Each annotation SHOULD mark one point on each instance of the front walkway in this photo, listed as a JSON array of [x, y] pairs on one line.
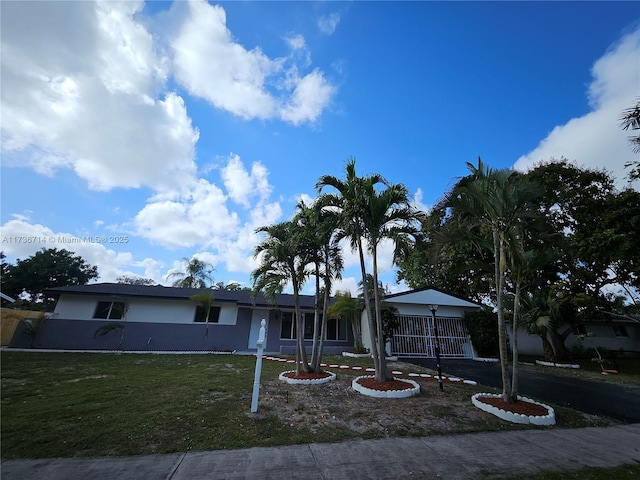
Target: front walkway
[[461, 457]]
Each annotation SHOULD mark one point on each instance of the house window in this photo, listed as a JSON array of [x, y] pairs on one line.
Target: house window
[[620, 331], [109, 310], [288, 326], [337, 329], [580, 330], [201, 314]]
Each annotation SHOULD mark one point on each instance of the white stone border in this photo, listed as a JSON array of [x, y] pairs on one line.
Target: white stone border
[[306, 381], [356, 355], [549, 419], [409, 392], [560, 365]]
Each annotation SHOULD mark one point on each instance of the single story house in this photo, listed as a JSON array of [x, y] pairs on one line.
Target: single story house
[[111, 316], [619, 334]]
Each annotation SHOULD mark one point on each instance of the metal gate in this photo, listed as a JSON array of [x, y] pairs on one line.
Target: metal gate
[[415, 337]]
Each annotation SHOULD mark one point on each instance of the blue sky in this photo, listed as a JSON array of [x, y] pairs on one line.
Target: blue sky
[[149, 133]]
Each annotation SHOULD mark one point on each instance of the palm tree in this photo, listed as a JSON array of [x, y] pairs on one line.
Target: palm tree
[[492, 202], [350, 204], [349, 308], [375, 216], [205, 299], [317, 226], [197, 274], [283, 259]]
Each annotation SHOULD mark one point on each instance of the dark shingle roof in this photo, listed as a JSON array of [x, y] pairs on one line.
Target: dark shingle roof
[[240, 297]]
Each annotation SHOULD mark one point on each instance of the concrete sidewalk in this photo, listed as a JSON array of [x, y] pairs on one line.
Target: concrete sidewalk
[[469, 456]]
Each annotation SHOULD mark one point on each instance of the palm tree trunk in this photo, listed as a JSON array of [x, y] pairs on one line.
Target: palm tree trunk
[[316, 324], [549, 355], [514, 346], [367, 307], [301, 354], [500, 263], [381, 372], [323, 329]]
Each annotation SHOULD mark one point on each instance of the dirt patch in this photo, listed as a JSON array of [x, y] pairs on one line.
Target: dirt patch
[[336, 404]]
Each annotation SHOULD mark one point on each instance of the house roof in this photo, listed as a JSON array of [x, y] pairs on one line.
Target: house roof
[[430, 296], [240, 297]]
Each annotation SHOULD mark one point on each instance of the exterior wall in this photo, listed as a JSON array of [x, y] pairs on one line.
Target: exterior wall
[[288, 346], [603, 337], [74, 307], [59, 333]]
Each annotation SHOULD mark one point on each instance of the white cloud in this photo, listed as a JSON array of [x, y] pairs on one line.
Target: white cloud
[[296, 42], [328, 23], [82, 89], [243, 185], [210, 64], [21, 239], [310, 97], [596, 140], [198, 217], [201, 218]]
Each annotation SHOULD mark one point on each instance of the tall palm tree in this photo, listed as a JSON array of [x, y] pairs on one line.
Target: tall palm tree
[[374, 215], [317, 228], [283, 259], [350, 203], [197, 274], [493, 203]]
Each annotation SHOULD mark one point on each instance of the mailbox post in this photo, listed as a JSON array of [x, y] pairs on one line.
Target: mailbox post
[[256, 378]]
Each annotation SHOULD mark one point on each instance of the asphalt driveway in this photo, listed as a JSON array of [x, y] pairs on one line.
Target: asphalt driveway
[[616, 401]]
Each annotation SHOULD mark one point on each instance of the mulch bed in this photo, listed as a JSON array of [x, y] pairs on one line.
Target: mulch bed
[[306, 375], [521, 407], [373, 384]]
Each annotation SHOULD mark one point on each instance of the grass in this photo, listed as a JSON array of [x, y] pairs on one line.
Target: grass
[[79, 404], [623, 472]]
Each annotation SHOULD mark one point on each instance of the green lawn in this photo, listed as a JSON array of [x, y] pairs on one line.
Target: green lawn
[[83, 404]]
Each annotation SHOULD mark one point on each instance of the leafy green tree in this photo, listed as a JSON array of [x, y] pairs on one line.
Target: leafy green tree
[[455, 267], [47, 268], [596, 233], [283, 259], [134, 280], [231, 287], [197, 274]]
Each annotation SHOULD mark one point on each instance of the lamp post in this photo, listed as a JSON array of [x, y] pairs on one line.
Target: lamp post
[[434, 309]]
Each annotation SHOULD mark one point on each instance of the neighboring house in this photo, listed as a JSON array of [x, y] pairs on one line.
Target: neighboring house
[[620, 334], [415, 334], [157, 318]]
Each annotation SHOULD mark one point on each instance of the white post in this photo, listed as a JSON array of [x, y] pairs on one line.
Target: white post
[[256, 378]]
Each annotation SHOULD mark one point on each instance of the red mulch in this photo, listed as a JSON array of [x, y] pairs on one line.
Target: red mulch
[[374, 384], [521, 407], [307, 375]]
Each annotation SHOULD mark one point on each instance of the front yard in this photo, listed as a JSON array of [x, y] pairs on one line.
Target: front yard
[[89, 404]]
